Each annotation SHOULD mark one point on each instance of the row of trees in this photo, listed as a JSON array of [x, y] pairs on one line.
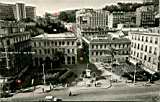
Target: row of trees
[[125, 7], [68, 16]]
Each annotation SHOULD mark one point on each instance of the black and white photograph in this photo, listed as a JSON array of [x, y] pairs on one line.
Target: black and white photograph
[[79, 50]]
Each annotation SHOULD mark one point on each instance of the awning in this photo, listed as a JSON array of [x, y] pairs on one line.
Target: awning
[[148, 70], [133, 61]]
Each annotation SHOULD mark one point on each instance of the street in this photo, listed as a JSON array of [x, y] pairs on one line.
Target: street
[[134, 93]]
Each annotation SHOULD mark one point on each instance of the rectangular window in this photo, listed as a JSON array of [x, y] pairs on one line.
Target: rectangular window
[[63, 43], [72, 42], [138, 46], [92, 46], [45, 51], [146, 48], [68, 50], [68, 43], [52, 43], [48, 43], [52, 51], [48, 51], [40, 52], [55, 43], [142, 47], [34, 44], [156, 40], [101, 46], [73, 51], [149, 59], [142, 38], [39, 44], [59, 43], [155, 51], [146, 39], [150, 49], [150, 39]]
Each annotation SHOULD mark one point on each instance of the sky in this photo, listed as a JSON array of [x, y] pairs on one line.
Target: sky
[[53, 6]]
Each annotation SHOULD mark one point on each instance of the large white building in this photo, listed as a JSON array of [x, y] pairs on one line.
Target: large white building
[[46, 45], [102, 48], [145, 48]]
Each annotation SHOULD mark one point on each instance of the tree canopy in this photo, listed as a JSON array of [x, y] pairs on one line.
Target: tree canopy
[[68, 16], [123, 7], [50, 25]]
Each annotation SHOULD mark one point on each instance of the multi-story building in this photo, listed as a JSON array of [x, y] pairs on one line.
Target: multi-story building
[[145, 48], [91, 18], [106, 48], [85, 32], [17, 11], [30, 12], [15, 52], [118, 17], [145, 16], [6, 11], [153, 2], [46, 46]]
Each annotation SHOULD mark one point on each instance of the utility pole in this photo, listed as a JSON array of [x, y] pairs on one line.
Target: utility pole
[[111, 73], [7, 60], [134, 80], [51, 65], [44, 77]]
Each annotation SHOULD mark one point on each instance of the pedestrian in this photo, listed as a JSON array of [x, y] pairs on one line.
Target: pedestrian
[[70, 94], [43, 90]]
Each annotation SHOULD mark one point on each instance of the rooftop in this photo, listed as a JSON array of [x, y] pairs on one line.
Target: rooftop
[[107, 40], [65, 35]]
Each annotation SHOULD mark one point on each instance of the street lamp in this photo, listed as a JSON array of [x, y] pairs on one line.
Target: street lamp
[[134, 80], [44, 77]]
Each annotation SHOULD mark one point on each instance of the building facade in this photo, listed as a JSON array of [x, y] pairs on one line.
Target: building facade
[[30, 12], [86, 32], [145, 16], [118, 17], [47, 45], [15, 51], [145, 48], [91, 18], [16, 11], [6, 11], [106, 48]]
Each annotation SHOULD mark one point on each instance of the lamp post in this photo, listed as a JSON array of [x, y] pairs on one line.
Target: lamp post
[[7, 60], [44, 77], [134, 80]]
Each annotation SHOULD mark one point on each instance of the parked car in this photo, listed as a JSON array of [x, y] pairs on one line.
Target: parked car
[[52, 99]]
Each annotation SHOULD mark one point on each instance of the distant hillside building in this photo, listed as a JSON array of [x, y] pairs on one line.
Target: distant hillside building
[[91, 18], [30, 12], [16, 11], [145, 16], [118, 17]]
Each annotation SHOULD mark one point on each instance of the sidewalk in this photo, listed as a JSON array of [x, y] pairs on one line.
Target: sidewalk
[[40, 90], [105, 73]]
